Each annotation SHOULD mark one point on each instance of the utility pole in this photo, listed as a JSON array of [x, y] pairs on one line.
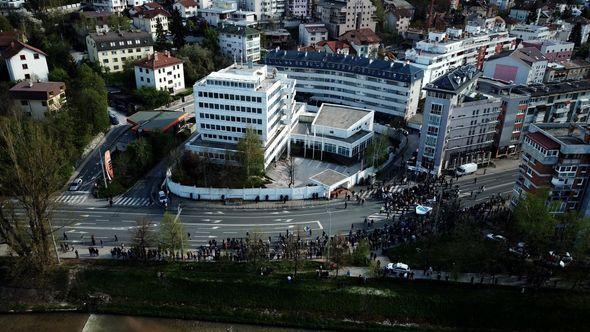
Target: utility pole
[[181, 242]]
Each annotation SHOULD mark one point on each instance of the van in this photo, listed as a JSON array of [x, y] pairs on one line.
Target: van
[[466, 169]]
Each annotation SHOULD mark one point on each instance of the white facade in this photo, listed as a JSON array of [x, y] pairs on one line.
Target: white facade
[[219, 11], [187, 8], [298, 8], [517, 67], [27, 63], [134, 3], [311, 34], [445, 51], [160, 71], [149, 23], [398, 23], [265, 9], [240, 43], [111, 50], [503, 4], [11, 4], [113, 6], [386, 87], [341, 16], [232, 100], [530, 31], [36, 100]]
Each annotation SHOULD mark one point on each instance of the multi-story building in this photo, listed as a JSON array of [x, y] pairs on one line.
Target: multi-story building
[[519, 14], [114, 6], [265, 9], [390, 89], [502, 4], [187, 8], [298, 8], [525, 66], [112, 49], [237, 98], [160, 71], [564, 102], [553, 50], [311, 34], [147, 20], [25, 62], [339, 131], [445, 51], [512, 112], [11, 4], [556, 158], [459, 123], [333, 47], [239, 43], [569, 70], [134, 3], [365, 42], [36, 99], [398, 14], [219, 11], [531, 31], [341, 16]]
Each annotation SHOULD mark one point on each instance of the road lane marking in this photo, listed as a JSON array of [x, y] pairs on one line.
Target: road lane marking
[[103, 220], [230, 232]]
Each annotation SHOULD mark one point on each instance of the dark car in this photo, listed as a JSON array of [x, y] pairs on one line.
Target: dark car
[[114, 120]]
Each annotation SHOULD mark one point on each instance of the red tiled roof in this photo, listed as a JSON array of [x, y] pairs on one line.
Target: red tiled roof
[[153, 13], [543, 141], [334, 45], [361, 37], [187, 3], [6, 38], [158, 60], [36, 90], [16, 46]]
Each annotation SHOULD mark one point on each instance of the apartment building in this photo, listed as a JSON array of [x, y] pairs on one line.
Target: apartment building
[[186, 8], [160, 71], [342, 132], [459, 123], [513, 110], [298, 8], [147, 20], [11, 4], [112, 49], [219, 11], [445, 51], [553, 50], [365, 42], [341, 16], [37, 99], [25, 62], [266, 9], [113, 6], [568, 70], [390, 89], [556, 157], [531, 31], [525, 66], [239, 43], [229, 101], [311, 34]]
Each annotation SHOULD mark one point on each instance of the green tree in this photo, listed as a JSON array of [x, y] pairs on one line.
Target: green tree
[[198, 63], [161, 42], [576, 34], [377, 150], [172, 235], [251, 154], [535, 223], [177, 29], [162, 144], [87, 98], [143, 238], [211, 40], [5, 25], [58, 53], [140, 155], [153, 98], [59, 75]]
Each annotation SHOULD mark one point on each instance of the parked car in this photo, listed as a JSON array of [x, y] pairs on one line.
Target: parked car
[[495, 237], [466, 169], [113, 118], [162, 197], [397, 267], [74, 186]]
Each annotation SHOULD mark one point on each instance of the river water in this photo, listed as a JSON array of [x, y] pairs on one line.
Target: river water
[[77, 322]]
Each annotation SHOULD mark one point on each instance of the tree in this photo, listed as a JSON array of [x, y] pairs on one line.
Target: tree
[[140, 155], [87, 98], [211, 40], [534, 222], [256, 249], [8, 106], [5, 25], [31, 171], [172, 234], [251, 154], [143, 238], [198, 63], [161, 42], [153, 98], [576, 34], [295, 250], [377, 150], [177, 29], [59, 75], [338, 247]]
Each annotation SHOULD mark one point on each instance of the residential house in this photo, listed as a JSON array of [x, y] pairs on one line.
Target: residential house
[[113, 6], [239, 43], [568, 70], [365, 42], [187, 8], [148, 19], [112, 50], [160, 71], [311, 34], [341, 16], [553, 50], [37, 99], [25, 62]]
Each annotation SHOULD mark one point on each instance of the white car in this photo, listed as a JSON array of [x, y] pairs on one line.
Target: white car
[[495, 237], [162, 197], [74, 186], [397, 267]]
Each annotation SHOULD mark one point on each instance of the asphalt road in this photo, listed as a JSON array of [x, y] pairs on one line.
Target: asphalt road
[[80, 223], [495, 182]]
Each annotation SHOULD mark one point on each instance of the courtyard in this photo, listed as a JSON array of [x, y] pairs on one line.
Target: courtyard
[[304, 169]]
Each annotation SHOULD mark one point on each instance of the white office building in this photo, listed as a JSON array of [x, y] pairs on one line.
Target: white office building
[[265, 9], [219, 11], [239, 43], [388, 88], [459, 123], [112, 49], [229, 101], [160, 71], [445, 51], [531, 31]]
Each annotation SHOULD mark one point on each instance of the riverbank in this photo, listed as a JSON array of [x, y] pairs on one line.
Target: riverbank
[[237, 293]]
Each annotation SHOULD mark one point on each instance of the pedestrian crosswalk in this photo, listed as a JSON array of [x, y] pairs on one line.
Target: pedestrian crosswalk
[[71, 199], [366, 194], [132, 201]]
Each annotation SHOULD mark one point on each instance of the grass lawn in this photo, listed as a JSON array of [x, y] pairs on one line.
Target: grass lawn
[[235, 292]]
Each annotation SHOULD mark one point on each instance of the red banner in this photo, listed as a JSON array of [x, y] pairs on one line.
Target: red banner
[[108, 165]]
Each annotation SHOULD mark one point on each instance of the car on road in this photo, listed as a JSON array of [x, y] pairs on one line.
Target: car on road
[[495, 237], [162, 197], [466, 169], [113, 118], [74, 186], [397, 267]]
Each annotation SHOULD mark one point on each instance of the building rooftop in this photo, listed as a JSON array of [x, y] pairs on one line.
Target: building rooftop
[[334, 45], [238, 30], [361, 37], [315, 28], [338, 116], [158, 60], [187, 3], [151, 13], [36, 90], [454, 81], [402, 72], [554, 88], [151, 121], [304, 128], [328, 177], [16, 46], [112, 40], [543, 140], [528, 55]]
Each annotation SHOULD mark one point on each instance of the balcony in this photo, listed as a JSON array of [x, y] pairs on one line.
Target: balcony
[[561, 182]]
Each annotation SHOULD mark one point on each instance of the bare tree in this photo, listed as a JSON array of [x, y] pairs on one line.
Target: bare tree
[[291, 169], [143, 238], [32, 168], [295, 250], [256, 249], [338, 249], [172, 234]]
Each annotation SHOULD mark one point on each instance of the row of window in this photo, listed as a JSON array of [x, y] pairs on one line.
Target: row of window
[[231, 84], [223, 137], [24, 57], [228, 96], [229, 118], [226, 128], [231, 108]]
